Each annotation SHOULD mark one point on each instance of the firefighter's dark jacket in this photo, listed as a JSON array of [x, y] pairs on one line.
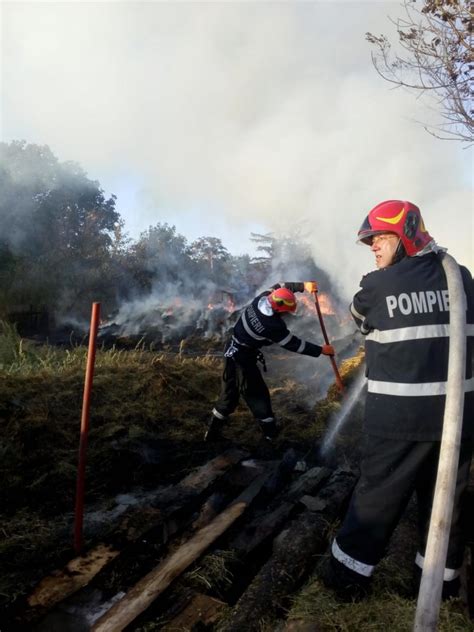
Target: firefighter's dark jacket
[[259, 326], [404, 312]]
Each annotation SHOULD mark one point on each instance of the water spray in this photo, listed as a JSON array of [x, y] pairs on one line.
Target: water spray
[[337, 421]]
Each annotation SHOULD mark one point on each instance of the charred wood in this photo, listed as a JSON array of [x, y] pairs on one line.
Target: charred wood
[[245, 552], [176, 505], [201, 609], [264, 526], [150, 586], [250, 537], [308, 482], [292, 559]]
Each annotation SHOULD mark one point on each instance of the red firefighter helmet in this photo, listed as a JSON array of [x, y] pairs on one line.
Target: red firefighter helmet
[[402, 218], [282, 300]]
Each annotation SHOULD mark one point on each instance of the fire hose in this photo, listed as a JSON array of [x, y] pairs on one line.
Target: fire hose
[[312, 287], [429, 596]]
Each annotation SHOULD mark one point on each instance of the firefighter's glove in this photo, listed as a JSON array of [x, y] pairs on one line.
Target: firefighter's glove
[[294, 286], [327, 350]]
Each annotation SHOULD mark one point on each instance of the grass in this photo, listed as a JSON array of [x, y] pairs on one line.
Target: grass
[[146, 409], [391, 604], [22, 357], [147, 417], [383, 610], [27, 539], [139, 398], [212, 573]]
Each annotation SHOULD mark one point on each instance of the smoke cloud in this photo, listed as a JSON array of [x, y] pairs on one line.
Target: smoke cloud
[[234, 115]]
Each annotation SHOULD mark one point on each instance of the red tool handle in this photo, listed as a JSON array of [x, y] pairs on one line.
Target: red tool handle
[[339, 383], [79, 513]]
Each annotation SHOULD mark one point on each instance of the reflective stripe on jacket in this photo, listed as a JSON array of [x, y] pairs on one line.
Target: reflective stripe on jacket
[[259, 326], [403, 311]]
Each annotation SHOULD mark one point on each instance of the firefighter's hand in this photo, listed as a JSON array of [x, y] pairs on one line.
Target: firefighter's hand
[[328, 350], [293, 286]]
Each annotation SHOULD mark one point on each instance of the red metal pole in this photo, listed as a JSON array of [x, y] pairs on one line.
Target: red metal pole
[[79, 513], [312, 287]]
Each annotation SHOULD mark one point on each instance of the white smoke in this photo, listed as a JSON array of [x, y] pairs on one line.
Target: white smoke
[[234, 114], [171, 313]]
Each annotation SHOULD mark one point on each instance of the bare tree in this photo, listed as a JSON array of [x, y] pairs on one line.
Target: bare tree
[[437, 56]]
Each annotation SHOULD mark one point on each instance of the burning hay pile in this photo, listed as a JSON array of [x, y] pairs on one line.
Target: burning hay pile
[[170, 322], [186, 325]]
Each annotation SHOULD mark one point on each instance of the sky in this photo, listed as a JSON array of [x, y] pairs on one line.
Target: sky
[[224, 118]]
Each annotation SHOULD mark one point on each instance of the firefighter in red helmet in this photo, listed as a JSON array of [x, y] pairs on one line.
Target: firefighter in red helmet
[[260, 324], [402, 308], [403, 220]]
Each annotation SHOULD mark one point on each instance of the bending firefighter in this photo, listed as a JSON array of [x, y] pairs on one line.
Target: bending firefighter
[[403, 310], [260, 324]]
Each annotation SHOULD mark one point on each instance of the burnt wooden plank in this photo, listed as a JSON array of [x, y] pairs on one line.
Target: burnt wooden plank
[[292, 558], [82, 569], [262, 527], [201, 609], [149, 587], [308, 482], [76, 574]]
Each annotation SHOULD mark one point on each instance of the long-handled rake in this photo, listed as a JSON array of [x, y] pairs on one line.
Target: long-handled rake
[[312, 287]]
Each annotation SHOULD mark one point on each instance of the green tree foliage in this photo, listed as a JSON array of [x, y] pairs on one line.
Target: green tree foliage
[[287, 258], [56, 227], [266, 246], [262, 263], [160, 256], [62, 246], [210, 250], [247, 276], [213, 259], [437, 55], [8, 263]]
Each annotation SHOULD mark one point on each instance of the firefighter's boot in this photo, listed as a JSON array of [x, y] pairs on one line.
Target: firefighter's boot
[[347, 584], [214, 429], [269, 428]]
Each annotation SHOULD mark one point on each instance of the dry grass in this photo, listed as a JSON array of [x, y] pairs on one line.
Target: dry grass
[[147, 418], [146, 428], [391, 604], [27, 539], [212, 573], [383, 610]]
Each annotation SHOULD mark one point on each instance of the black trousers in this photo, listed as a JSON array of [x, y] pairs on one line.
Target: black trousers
[[241, 376], [390, 472]]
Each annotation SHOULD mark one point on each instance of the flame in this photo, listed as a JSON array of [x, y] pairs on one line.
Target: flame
[[325, 304], [307, 301], [227, 304]]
